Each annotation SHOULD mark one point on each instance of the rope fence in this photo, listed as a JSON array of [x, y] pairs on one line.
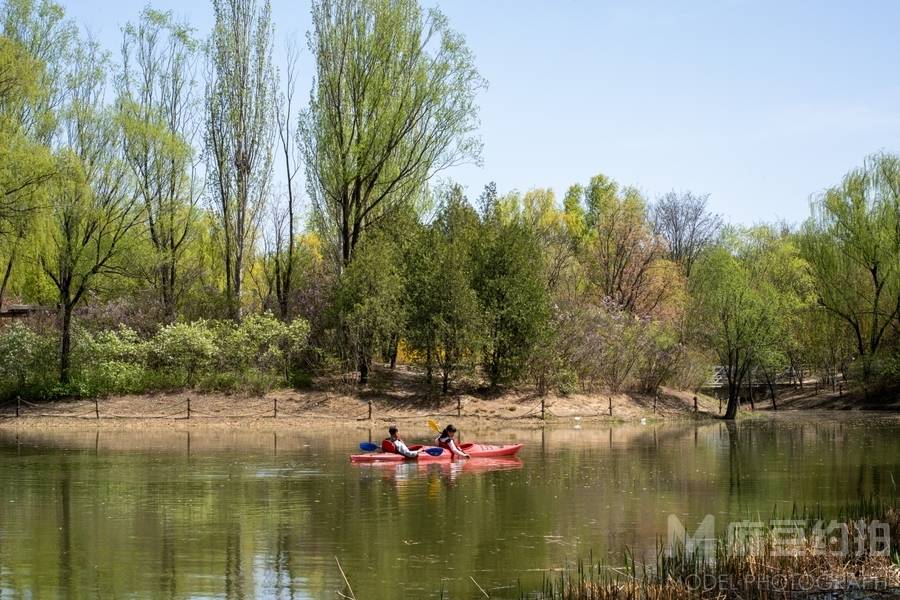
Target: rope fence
[[285, 408], [181, 410]]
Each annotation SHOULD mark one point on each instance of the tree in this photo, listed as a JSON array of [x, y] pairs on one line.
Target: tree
[[40, 28], [93, 205], [683, 221], [624, 258], [285, 218], [444, 318], [159, 121], [392, 104], [25, 164], [367, 305], [732, 314], [34, 44], [239, 133], [773, 258], [852, 245], [512, 294]]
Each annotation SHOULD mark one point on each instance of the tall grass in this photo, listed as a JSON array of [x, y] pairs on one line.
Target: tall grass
[[761, 570]]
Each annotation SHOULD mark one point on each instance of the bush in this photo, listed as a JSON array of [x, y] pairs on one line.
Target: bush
[[256, 355], [27, 360], [187, 348], [17, 353]]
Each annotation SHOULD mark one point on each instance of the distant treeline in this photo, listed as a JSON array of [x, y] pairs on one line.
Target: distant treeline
[[137, 201]]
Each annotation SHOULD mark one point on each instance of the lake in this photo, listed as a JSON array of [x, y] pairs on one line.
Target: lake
[[214, 513]]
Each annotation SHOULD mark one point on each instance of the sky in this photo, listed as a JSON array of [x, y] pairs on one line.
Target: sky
[[762, 105]]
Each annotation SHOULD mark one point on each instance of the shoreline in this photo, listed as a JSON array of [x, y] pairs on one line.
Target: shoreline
[[291, 409]]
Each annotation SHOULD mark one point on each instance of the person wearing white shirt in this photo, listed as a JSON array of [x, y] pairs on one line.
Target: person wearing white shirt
[[399, 445]]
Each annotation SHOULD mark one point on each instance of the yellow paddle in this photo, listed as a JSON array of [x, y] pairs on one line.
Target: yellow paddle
[[434, 426]]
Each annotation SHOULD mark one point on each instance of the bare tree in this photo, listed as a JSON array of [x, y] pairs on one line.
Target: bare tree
[[622, 252], [683, 221], [285, 218], [239, 132]]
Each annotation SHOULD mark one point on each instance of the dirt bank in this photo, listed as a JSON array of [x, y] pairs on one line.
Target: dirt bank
[[811, 397], [400, 396], [292, 408]]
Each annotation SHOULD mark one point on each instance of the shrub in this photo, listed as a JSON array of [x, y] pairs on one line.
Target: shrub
[[18, 344], [188, 348], [27, 361]]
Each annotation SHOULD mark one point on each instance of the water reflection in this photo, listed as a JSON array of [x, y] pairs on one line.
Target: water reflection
[[230, 514]]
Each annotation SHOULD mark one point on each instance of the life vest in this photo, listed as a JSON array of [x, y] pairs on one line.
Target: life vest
[[443, 441], [388, 446]]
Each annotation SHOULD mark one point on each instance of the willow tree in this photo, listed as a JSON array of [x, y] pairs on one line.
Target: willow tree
[[392, 104], [239, 130], [733, 313], [35, 39], [159, 121], [93, 206], [852, 244]]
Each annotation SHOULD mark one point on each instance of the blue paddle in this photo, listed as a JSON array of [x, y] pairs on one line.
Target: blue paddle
[[370, 447]]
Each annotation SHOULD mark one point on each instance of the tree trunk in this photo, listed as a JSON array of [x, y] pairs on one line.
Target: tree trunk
[[446, 381], [363, 370], [6, 274], [394, 347], [65, 342], [750, 393], [731, 409]]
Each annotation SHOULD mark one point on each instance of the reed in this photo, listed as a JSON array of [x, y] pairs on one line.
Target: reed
[[762, 569]]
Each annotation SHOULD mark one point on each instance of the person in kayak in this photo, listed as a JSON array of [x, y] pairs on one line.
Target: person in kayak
[[395, 444], [446, 441]]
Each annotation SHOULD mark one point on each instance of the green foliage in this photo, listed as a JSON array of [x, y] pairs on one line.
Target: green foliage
[[18, 351], [444, 318], [513, 296], [735, 311], [367, 308], [852, 246], [184, 348], [254, 355], [393, 103]]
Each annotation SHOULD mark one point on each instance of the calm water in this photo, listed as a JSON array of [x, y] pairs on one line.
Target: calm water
[[212, 514]]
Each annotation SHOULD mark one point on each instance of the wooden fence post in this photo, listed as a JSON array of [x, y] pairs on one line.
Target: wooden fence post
[[695, 404], [655, 398], [189, 408], [18, 401], [275, 409], [542, 408], [458, 406], [720, 404], [370, 410], [97, 408], [610, 406]]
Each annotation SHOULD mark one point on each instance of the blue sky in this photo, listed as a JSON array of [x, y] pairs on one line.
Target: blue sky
[[760, 104]]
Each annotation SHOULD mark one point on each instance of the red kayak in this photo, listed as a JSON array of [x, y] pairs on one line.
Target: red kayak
[[473, 450]]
